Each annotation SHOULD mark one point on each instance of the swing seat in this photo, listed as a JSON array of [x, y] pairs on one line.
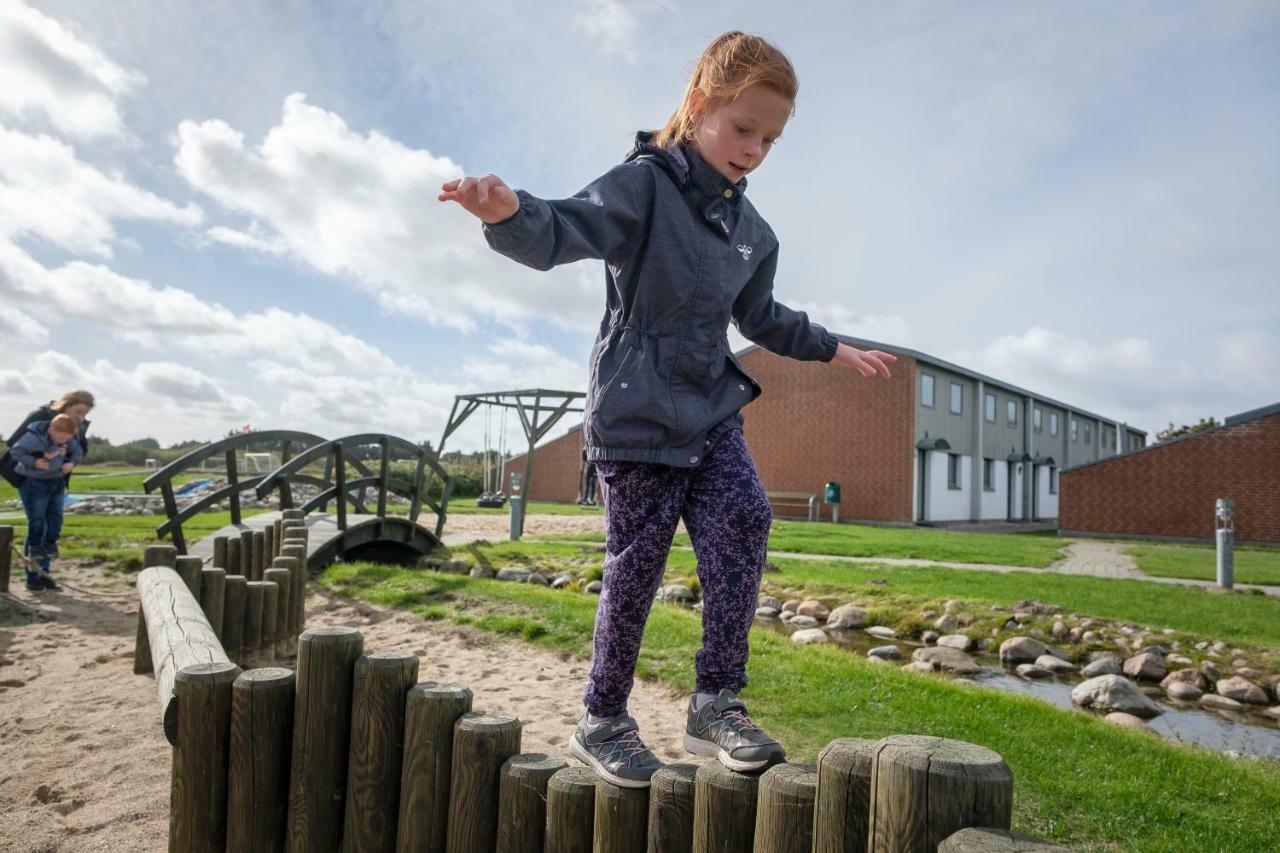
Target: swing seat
[[491, 501]]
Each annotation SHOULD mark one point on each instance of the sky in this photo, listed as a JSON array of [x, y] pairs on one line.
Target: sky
[[225, 213]]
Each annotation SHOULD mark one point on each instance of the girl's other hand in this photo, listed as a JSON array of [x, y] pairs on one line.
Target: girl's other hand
[[66, 468], [42, 464], [487, 198], [867, 362]]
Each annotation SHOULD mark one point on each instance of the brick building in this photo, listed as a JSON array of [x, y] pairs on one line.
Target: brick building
[[934, 443], [1170, 489]]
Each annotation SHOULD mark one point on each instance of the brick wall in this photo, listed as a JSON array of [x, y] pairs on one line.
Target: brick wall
[[816, 422], [1170, 489], [557, 468]]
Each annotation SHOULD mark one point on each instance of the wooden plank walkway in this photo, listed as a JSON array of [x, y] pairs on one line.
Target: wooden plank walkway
[[322, 530]]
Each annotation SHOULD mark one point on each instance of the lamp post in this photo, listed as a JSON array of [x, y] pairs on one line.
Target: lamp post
[[1225, 528]]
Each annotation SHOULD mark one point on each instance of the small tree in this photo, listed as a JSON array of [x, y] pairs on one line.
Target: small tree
[[1177, 432]]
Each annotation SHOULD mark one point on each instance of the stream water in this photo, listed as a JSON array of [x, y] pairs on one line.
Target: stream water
[[1244, 733]]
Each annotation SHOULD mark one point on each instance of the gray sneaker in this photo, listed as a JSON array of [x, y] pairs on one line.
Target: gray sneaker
[[721, 728], [612, 747]]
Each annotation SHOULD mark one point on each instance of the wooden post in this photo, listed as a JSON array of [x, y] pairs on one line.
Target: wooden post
[[270, 606], [571, 811], [260, 561], [924, 788], [481, 743], [233, 615], [289, 627], [292, 515], [246, 554], [321, 732], [189, 569], [843, 803], [382, 679], [152, 555], [258, 780], [213, 590], [268, 546], [784, 809], [253, 601], [522, 800], [233, 556], [622, 818], [431, 710], [298, 592], [6, 556], [198, 785], [179, 635], [283, 616], [219, 552], [277, 537], [988, 840], [671, 809], [724, 809]]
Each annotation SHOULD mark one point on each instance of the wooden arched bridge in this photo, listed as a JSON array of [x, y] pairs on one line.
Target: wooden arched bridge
[[359, 526]]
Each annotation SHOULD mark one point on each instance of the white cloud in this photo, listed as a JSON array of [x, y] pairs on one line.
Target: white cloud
[[167, 317], [362, 207], [841, 320], [47, 192], [50, 72], [611, 24], [1135, 380], [19, 328], [161, 399]]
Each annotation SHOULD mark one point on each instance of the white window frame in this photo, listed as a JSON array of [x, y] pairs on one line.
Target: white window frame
[[933, 385], [1075, 430], [988, 475], [989, 402], [1011, 412], [952, 406], [1053, 424], [954, 468], [1053, 480], [1037, 419]]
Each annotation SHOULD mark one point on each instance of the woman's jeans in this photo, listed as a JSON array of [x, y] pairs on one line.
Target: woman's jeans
[[43, 501]]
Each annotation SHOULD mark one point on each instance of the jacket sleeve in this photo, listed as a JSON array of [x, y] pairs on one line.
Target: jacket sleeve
[[597, 222], [774, 326], [74, 452], [25, 451]]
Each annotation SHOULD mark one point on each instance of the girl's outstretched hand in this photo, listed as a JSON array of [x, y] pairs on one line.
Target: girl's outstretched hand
[[487, 198], [867, 362]]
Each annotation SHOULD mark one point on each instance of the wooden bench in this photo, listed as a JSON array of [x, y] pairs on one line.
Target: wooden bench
[[795, 501]]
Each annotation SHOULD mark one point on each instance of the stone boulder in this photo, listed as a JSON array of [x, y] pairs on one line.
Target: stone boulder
[[561, 580], [1146, 667], [1055, 664], [1220, 703], [482, 572], [813, 608], [1182, 691], [595, 587], [847, 616], [800, 621], [952, 660], [766, 613], [1194, 677], [885, 653], [1113, 693], [809, 636], [769, 601], [676, 592], [537, 579], [946, 623], [1016, 650], [514, 574], [1242, 690], [790, 605], [882, 632], [955, 641], [920, 666], [1031, 670], [1101, 666], [1128, 721]]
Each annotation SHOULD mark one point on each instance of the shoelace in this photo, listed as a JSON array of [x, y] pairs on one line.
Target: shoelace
[[740, 720], [630, 744]]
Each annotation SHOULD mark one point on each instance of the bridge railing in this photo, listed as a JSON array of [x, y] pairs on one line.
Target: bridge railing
[[298, 450], [289, 441], [336, 457]]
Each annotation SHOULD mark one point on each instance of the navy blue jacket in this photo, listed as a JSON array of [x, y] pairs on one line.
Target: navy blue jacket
[[685, 254], [34, 443]]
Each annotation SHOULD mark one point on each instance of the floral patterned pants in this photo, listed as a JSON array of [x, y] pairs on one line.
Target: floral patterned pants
[[727, 515]]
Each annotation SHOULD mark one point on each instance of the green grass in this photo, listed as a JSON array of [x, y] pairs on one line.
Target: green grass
[[1078, 781], [1033, 550], [1200, 562], [467, 506], [97, 479]]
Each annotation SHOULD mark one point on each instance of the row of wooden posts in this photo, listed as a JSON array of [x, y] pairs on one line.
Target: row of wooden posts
[[6, 556], [352, 753], [250, 614]]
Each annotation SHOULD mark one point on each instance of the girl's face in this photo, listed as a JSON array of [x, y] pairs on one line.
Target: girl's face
[[736, 136], [78, 411]]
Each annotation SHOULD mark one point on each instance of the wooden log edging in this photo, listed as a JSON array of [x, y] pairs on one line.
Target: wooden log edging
[[431, 710], [784, 809], [843, 804], [522, 800], [482, 742], [152, 555], [671, 792], [198, 783], [6, 556], [213, 590], [380, 684], [990, 840], [235, 589], [571, 810], [621, 819], [258, 778], [724, 809], [321, 732], [179, 635]]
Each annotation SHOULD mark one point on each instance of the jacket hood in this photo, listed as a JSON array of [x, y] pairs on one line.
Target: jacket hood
[[40, 428], [684, 164]]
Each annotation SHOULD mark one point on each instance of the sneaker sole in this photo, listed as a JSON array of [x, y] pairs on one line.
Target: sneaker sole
[[585, 757], [707, 749]]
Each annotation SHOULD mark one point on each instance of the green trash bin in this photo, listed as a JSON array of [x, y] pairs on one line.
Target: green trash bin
[[831, 494]]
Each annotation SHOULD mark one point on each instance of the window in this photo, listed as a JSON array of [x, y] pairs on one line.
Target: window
[[957, 398], [1037, 418], [1088, 433], [1053, 423], [953, 471], [1135, 442], [1053, 481], [1075, 430], [990, 406], [1011, 412], [988, 475], [926, 390]]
